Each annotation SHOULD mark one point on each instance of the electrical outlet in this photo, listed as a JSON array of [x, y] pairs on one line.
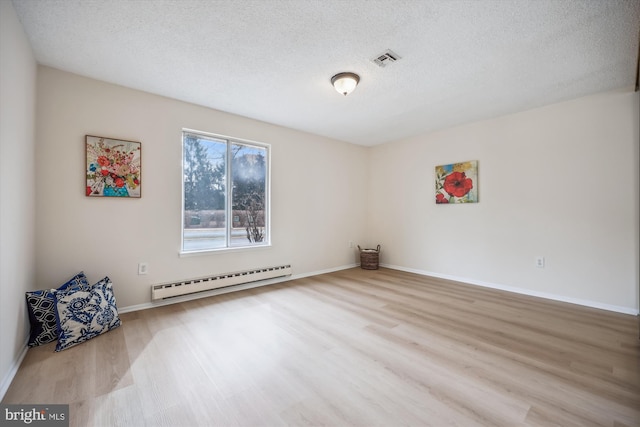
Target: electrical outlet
[[143, 268], [350, 244], [540, 261]]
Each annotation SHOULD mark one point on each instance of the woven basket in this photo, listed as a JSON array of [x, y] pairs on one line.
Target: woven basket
[[369, 258]]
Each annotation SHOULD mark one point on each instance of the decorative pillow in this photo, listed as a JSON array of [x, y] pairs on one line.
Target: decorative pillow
[[42, 317], [82, 315]]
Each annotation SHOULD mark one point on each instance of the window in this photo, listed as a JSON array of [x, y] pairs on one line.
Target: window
[[217, 215]]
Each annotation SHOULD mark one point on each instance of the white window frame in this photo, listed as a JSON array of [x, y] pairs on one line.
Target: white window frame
[[228, 195]]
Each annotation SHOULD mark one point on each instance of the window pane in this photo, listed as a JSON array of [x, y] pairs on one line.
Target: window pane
[[249, 198], [204, 168], [225, 187]]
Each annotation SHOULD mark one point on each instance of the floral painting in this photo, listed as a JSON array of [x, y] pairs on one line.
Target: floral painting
[[113, 167], [457, 183]]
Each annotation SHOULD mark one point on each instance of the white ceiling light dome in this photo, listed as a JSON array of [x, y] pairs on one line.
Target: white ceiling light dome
[[345, 83]]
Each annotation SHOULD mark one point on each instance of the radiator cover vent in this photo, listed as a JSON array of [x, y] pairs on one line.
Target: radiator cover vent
[[201, 284]]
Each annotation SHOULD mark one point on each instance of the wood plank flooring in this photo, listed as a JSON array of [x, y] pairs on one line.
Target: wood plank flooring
[[351, 348]]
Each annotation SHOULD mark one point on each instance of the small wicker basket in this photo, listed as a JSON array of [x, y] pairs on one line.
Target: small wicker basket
[[369, 258]]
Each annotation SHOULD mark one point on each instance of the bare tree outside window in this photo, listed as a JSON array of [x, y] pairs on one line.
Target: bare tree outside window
[[249, 179]]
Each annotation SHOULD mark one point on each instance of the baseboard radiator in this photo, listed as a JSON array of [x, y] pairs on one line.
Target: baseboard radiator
[[190, 286]]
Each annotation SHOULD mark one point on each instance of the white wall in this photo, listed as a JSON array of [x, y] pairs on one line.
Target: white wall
[[318, 205], [558, 181], [17, 188]]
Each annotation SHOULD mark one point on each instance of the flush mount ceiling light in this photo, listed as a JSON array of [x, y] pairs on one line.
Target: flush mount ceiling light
[[345, 83]]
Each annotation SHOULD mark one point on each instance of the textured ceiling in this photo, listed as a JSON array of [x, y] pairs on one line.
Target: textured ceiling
[[272, 60]]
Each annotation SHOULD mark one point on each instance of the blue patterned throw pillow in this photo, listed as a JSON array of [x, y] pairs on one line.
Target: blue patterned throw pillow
[[41, 308], [82, 315]]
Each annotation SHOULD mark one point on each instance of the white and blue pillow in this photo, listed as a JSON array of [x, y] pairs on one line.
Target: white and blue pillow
[[42, 311], [85, 314]]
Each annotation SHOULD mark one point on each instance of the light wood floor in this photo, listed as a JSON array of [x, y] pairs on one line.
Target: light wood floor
[[351, 348]]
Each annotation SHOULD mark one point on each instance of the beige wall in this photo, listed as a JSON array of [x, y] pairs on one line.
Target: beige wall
[[17, 188], [558, 181], [318, 204]]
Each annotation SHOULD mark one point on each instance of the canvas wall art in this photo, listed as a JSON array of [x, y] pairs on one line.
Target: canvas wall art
[[113, 167], [457, 183]]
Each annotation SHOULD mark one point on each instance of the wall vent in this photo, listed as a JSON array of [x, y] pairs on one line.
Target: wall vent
[[190, 286], [386, 58]]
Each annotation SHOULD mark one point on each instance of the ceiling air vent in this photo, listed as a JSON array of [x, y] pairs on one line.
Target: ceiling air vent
[[386, 58]]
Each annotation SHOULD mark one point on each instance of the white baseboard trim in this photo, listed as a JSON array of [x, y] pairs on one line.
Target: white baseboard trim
[[554, 297], [13, 369], [328, 270], [236, 288]]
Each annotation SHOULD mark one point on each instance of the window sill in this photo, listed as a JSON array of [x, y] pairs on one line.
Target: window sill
[[223, 250]]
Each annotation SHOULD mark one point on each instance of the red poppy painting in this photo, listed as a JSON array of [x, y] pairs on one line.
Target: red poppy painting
[[457, 183]]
